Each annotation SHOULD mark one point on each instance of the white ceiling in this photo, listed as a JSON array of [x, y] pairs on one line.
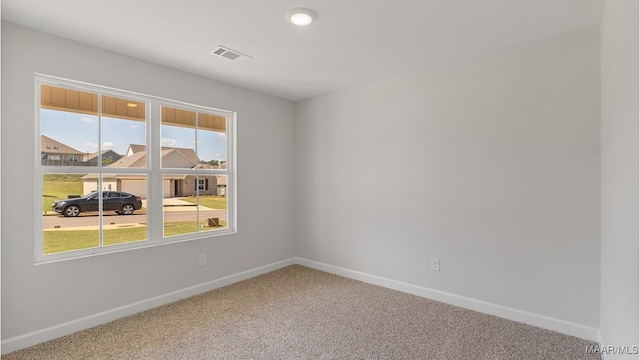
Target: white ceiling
[[352, 42]]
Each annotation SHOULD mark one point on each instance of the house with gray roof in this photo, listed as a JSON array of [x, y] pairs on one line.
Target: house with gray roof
[[108, 157], [174, 185], [55, 153]]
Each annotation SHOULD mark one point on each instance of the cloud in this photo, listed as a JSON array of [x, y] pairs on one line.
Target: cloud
[[169, 142], [91, 146], [218, 155], [108, 145], [87, 120], [133, 126]]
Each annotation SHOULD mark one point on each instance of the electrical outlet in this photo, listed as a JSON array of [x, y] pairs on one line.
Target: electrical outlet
[[202, 259], [435, 264]]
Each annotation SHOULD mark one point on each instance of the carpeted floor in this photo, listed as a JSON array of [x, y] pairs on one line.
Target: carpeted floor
[[300, 313]]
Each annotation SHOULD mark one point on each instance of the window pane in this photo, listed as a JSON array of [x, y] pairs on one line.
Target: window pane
[[179, 204], [124, 217], [68, 126], [189, 209], [178, 138], [124, 137], [70, 218], [212, 140]]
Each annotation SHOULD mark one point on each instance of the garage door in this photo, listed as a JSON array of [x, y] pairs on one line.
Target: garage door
[[135, 187]]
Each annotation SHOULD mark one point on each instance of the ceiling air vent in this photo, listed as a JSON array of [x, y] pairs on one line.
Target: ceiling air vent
[[230, 54]]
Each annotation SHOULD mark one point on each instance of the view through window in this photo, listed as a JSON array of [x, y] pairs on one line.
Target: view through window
[[193, 141], [97, 178]]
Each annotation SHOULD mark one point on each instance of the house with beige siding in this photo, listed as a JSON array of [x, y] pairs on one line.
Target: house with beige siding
[[55, 153], [174, 185]]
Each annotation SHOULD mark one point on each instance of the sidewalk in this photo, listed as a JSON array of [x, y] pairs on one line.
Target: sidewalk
[[173, 204]]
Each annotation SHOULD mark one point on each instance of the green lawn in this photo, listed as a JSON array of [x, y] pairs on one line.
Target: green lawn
[[212, 202], [59, 187], [59, 241], [55, 241]]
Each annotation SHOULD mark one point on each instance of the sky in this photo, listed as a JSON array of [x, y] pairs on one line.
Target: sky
[[80, 132]]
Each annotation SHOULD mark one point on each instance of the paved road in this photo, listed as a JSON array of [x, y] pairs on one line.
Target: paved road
[[91, 219]]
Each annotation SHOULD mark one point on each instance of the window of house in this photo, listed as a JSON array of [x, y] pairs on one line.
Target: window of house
[[163, 185], [203, 184], [194, 142]]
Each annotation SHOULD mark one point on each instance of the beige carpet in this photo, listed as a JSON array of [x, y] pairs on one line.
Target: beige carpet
[[300, 313]]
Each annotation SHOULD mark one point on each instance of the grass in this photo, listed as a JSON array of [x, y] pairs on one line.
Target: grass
[[63, 240], [212, 202], [59, 241], [59, 187]]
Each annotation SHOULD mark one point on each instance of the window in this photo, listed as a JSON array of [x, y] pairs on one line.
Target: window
[[194, 142], [111, 184], [203, 184]]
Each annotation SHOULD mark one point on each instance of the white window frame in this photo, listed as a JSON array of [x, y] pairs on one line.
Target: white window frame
[[153, 171]]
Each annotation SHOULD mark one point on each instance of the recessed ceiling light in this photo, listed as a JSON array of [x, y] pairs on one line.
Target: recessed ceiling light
[[132, 105], [301, 16]]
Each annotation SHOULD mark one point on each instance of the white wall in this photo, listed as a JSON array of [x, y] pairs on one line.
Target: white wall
[[619, 259], [39, 297], [491, 164]]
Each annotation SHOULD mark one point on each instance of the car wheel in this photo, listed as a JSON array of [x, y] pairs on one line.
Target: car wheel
[[127, 209], [71, 211]]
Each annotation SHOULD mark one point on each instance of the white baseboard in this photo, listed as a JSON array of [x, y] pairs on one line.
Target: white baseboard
[[36, 337], [545, 322]]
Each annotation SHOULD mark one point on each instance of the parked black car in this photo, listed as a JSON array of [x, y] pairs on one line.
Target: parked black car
[[120, 202]]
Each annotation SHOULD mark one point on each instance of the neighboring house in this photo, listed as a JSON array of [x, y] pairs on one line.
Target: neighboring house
[[134, 148], [108, 157], [221, 180], [55, 153], [131, 183], [174, 185]]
